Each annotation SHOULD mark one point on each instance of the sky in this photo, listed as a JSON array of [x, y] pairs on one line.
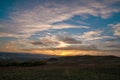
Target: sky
[[60, 27]]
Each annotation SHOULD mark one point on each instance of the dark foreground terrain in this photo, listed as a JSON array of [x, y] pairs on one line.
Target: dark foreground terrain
[[67, 68]]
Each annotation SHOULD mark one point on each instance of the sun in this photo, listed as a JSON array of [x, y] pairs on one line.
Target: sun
[[64, 53]]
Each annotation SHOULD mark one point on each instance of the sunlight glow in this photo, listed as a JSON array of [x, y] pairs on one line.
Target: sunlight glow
[[63, 53], [73, 52]]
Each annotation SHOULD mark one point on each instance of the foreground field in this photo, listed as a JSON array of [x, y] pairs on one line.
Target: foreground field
[[61, 72], [66, 68]]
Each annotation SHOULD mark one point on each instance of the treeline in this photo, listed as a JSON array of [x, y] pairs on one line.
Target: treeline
[[22, 63]]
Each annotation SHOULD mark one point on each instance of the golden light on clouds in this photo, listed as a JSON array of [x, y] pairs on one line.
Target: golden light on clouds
[[65, 52]]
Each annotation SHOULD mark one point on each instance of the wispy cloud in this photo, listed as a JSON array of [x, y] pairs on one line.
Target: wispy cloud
[[94, 35], [41, 17], [116, 29], [56, 41]]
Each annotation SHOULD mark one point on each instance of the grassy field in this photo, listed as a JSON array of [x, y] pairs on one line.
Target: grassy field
[[63, 71]]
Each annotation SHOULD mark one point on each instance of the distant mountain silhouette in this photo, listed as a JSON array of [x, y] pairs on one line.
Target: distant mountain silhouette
[[22, 56], [87, 59]]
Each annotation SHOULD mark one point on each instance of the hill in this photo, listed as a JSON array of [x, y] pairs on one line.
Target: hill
[[22, 56]]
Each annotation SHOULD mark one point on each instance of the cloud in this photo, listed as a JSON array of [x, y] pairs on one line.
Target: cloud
[[114, 39], [37, 43], [13, 30], [93, 35], [45, 42], [56, 41], [105, 44], [79, 47], [26, 31], [62, 26], [65, 46], [68, 39], [18, 36], [116, 29], [15, 46], [30, 19], [88, 40], [74, 42], [114, 46]]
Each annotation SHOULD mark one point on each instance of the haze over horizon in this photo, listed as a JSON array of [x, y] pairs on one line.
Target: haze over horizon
[[60, 27]]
